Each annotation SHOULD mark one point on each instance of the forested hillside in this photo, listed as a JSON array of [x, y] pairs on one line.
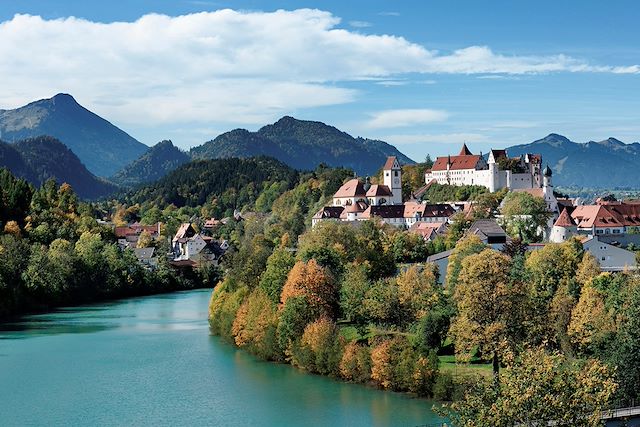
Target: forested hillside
[[157, 162], [302, 144], [42, 158]]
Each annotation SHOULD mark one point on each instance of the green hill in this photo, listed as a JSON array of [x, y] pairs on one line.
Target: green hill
[[39, 159], [302, 144], [159, 160]]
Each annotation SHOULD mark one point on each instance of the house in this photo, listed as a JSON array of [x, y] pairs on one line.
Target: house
[[612, 222], [429, 230], [127, 236], [489, 232], [189, 245], [610, 257], [146, 257], [211, 223], [498, 171]]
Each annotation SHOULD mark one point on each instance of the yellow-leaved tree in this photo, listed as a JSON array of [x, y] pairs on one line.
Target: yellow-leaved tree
[[490, 307], [537, 389]]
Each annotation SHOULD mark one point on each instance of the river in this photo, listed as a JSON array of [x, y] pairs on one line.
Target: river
[[152, 361]]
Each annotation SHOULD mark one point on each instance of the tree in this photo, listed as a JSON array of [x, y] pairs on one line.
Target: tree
[[353, 291], [525, 215], [278, 265], [587, 269], [314, 284], [465, 247], [591, 322], [490, 307], [355, 364], [537, 388], [626, 356], [255, 326], [12, 227], [144, 240], [418, 291]]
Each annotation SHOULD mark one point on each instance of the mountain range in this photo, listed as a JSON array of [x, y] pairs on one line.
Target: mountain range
[[101, 146], [594, 164], [79, 137], [42, 158]]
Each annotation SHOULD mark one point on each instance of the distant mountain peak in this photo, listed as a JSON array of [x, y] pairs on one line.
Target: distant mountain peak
[[64, 97], [595, 164], [100, 145], [553, 139]]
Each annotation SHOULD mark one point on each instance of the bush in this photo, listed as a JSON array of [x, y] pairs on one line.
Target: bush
[[356, 363]]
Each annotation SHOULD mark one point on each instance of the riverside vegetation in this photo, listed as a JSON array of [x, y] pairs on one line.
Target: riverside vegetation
[[540, 335]]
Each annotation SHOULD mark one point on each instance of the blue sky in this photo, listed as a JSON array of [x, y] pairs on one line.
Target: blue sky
[[423, 75]]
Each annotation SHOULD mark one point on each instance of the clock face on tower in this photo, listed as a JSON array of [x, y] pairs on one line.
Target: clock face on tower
[[396, 181]]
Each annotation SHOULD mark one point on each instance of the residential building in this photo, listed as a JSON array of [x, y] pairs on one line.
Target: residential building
[[429, 230], [612, 222], [189, 245], [127, 236], [489, 232], [610, 257], [146, 257]]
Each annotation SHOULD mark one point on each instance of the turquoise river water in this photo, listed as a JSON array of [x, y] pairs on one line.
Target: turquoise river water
[[152, 361]]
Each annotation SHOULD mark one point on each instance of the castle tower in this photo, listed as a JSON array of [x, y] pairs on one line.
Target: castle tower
[[546, 178], [393, 179], [493, 172]]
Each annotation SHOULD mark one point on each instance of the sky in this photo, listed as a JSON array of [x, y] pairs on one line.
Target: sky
[[425, 76]]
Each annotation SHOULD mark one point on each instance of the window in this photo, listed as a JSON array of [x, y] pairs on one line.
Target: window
[[395, 173]]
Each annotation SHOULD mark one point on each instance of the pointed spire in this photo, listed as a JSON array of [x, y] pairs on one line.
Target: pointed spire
[[547, 171], [465, 150]]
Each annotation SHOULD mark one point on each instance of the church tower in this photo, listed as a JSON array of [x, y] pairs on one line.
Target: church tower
[[392, 173]]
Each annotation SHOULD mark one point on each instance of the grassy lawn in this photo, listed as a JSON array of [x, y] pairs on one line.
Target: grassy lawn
[[448, 363]]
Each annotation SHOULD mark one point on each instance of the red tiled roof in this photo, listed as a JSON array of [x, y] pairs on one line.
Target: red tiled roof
[[464, 151], [606, 216], [427, 229], [357, 207], [457, 162], [384, 211], [536, 192], [389, 163], [351, 188], [379, 190], [329, 212], [565, 220]]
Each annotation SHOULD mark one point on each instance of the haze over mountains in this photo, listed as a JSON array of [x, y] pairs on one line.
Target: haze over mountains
[[110, 152]]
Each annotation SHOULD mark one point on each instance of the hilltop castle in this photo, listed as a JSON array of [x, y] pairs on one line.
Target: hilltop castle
[[498, 171]]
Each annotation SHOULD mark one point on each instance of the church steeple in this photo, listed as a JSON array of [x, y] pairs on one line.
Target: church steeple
[[465, 151]]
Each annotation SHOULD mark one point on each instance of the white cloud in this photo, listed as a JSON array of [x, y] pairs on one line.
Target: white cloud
[[405, 117], [360, 24], [444, 138], [226, 66]]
